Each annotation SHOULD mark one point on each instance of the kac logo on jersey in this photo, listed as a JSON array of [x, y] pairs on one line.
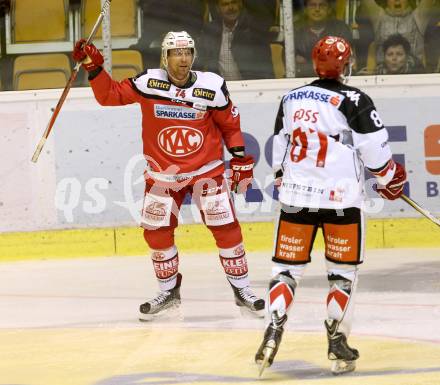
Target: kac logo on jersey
[[162, 111], [180, 140], [203, 93]]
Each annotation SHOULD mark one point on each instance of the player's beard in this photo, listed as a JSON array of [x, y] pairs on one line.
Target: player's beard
[[179, 78]]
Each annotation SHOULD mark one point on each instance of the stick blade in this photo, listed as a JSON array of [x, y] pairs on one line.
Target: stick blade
[[38, 150]]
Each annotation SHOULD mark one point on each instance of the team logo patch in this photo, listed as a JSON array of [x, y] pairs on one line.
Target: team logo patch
[[216, 210], [235, 112], [180, 140], [158, 256], [353, 96], [239, 250], [165, 270], [235, 266], [177, 112], [340, 46], [181, 43], [203, 93], [155, 211], [158, 84]]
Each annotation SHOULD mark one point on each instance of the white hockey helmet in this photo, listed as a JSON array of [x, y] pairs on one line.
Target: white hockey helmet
[[174, 40]]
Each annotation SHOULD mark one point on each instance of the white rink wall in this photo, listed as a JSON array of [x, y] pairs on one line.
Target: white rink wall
[[90, 171]]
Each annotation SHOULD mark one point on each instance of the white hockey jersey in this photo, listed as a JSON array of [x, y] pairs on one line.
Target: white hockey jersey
[[325, 133]]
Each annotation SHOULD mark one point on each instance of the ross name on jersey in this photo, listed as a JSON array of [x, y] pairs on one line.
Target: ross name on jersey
[[177, 112], [203, 93], [158, 84], [313, 95]]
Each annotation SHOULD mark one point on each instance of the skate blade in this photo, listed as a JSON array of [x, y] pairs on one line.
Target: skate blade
[[248, 313], [267, 351], [341, 367], [174, 313]]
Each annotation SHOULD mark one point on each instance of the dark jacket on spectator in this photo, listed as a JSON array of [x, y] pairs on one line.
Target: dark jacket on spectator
[[432, 44], [5, 6], [250, 47], [305, 40]]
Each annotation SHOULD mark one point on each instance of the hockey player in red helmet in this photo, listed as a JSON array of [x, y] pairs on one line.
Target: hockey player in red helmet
[[326, 132], [331, 58]]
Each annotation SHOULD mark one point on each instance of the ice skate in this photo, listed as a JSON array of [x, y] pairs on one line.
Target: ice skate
[[165, 302], [248, 301], [271, 342], [343, 357]]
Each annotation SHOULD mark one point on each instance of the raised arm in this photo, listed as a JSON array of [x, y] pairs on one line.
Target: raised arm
[[108, 92]]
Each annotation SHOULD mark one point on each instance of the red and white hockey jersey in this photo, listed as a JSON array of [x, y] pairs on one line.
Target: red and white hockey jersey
[[325, 133], [183, 129]]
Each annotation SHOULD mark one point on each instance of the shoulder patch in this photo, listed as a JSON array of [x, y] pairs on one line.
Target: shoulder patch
[[204, 93], [353, 96], [158, 84]]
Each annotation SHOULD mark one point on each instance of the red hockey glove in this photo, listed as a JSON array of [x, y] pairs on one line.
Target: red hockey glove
[[88, 54], [394, 188], [242, 173]]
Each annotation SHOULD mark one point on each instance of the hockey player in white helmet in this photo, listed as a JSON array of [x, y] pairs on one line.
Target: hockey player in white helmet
[[326, 132], [182, 46], [186, 117]]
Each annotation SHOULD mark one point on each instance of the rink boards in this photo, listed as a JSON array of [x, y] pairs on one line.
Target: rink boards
[[380, 233], [89, 174]]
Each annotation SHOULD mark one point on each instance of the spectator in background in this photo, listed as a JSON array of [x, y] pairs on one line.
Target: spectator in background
[[432, 43], [264, 10], [318, 21], [5, 6], [234, 46], [398, 58], [398, 17], [364, 37], [159, 17]]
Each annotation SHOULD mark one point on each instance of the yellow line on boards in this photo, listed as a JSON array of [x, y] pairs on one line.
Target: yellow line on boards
[[258, 236]]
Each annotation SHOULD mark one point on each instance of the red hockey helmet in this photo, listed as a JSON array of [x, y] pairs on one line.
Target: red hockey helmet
[[330, 57]]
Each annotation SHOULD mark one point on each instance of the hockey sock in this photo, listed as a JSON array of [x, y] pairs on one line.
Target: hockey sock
[[282, 287], [340, 299], [166, 266], [234, 263]]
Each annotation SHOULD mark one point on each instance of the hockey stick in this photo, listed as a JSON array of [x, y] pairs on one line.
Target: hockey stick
[[104, 11], [420, 209]]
